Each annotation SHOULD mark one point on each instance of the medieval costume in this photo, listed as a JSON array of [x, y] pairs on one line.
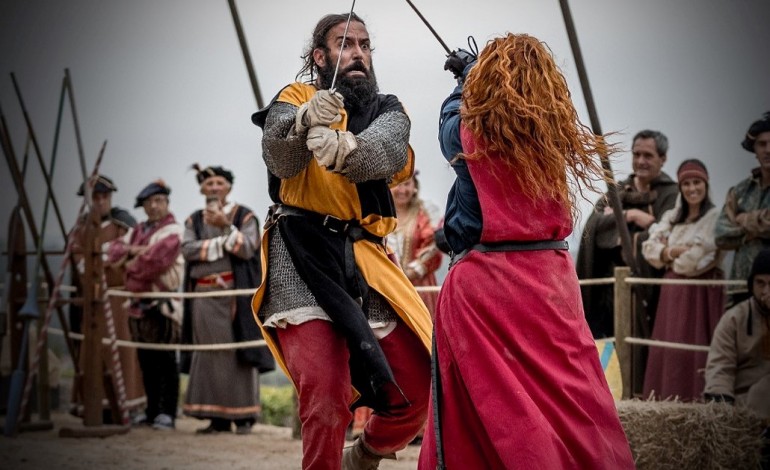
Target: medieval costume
[[738, 367], [753, 235], [600, 252], [686, 313], [519, 382], [224, 385], [342, 318], [744, 223], [114, 225], [151, 256], [412, 242]]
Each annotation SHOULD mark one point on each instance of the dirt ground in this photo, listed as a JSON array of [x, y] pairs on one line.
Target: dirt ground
[[267, 447]]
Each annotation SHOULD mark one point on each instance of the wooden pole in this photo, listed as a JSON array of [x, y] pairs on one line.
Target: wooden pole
[[623, 319], [246, 54], [76, 124], [18, 181], [93, 385], [39, 153], [612, 190]]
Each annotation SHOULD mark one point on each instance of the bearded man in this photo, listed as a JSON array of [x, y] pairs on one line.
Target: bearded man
[[342, 319]]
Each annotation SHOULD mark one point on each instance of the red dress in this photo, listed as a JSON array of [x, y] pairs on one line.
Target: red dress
[[521, 378]]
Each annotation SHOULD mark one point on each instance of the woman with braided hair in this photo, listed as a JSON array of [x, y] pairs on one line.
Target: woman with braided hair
[[519, 380]]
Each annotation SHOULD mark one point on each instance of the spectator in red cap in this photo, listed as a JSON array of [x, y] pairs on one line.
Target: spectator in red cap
[[682, 242]]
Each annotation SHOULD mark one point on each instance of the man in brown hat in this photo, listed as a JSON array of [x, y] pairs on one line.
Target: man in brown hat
[[115, 223], [744, 224]]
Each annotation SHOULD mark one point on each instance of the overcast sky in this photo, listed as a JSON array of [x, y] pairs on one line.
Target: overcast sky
[[164, 81]]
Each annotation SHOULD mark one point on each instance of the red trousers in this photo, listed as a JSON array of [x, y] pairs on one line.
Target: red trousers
[[317, 356]]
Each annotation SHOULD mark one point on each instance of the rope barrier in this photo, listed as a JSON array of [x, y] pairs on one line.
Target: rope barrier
[[667, 344], [179, 295], [168, 347], [597, 281], [249, 292], [427, 288], [692, 282], [582, 282]]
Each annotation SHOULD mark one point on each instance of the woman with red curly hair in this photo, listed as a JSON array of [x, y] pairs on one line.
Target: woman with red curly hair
[[519, 380]]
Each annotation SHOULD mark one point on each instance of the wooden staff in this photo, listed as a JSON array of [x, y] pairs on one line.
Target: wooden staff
[[246, 54], [71, 94], [612, 188], [38, 153], [26, 209], [54, 298], [30, 313], [16, 268], [637, 361], [18, 180]]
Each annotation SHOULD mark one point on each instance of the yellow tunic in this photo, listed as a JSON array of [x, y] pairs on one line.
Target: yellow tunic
[[325, 192]]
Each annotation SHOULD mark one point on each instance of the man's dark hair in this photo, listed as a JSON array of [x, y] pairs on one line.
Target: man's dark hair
[[661, 141], [318, 41]]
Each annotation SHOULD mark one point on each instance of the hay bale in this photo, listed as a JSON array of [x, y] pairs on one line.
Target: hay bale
[[677, 436]]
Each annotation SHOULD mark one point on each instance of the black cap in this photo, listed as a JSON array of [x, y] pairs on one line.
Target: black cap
[[209, 171], [756, 128], [103, 185], [761, 265], [156, 187]]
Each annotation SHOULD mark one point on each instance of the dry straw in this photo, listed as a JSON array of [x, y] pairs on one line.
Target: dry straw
[[677, 436]]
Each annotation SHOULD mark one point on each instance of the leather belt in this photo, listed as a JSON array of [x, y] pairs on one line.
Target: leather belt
[[350, 228], [536, 245]]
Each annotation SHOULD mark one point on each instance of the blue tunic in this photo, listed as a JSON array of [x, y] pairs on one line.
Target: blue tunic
[[462, 220]]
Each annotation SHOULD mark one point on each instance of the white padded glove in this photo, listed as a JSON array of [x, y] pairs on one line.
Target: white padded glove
[[330, 147], [323, 109]]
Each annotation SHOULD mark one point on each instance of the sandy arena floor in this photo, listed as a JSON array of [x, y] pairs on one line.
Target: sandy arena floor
[[267, 447]]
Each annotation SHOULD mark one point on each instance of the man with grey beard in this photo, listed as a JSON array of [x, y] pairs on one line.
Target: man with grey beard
[[341, 317]]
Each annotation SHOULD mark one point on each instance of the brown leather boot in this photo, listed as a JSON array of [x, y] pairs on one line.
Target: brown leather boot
[[360, 457]]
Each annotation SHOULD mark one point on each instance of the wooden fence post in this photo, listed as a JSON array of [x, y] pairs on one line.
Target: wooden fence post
[[622, 311]]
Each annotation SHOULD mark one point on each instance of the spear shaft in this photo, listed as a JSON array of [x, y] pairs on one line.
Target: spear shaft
[[612, 188], [246, 54]]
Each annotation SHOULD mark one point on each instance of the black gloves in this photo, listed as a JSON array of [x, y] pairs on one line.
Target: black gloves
[[439, 237], [457, 61]]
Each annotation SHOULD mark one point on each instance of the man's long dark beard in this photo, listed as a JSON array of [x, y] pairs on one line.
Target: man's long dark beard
[[358, 92]]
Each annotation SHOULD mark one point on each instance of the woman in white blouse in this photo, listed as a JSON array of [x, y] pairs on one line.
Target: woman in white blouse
[[683, 242]]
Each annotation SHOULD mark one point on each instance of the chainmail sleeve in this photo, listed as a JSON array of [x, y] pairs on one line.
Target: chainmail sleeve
[[284, 151], [382, 149]]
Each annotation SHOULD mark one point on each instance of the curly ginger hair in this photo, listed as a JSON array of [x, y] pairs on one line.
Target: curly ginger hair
[[517, 104]]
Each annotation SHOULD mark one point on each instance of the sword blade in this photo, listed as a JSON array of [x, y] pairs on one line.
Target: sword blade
[[342, 46], [435, 34]]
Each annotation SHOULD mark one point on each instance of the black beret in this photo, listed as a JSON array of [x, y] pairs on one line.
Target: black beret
[[209, 171], [103, 185], [156, 187], [756, 128]]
